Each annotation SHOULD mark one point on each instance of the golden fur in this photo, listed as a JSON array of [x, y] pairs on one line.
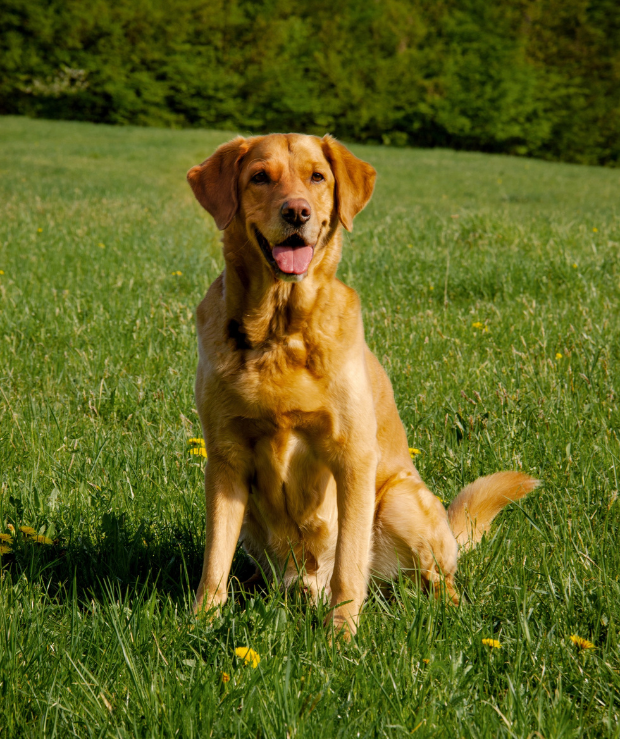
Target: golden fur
[[308, 461]]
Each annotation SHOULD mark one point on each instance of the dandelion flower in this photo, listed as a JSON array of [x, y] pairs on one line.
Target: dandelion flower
[[574, 265], [4, 549], [199, 450], [225, 677], [431, 288], [413, 451], [558, 356], [493, 643], [39, 230], [595, 230], [40, 539], [581, 643], [11, 528], [476, 324], [426, 661], [1, 271], [28, 530], [100, 245], [6, 538], [178, 273], [249, 656]]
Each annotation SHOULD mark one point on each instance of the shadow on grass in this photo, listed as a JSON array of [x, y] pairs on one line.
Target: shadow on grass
[[132, 563], [124, 556]]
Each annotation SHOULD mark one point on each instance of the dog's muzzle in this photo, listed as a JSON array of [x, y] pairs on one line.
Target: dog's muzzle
[[289, 260]]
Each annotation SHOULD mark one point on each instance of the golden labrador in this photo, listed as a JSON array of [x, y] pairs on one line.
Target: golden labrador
[[306, 453]]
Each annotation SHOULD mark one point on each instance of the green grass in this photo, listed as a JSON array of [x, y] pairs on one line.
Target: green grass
[[97, 357]]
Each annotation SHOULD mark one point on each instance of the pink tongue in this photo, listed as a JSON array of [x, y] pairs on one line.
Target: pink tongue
[[293, 260]]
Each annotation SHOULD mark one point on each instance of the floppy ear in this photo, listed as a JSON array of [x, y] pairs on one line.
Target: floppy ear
[[355, 180], [214, 182]]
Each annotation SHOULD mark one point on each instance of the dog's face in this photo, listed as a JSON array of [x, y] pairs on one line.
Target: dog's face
[[287, 192], [286, 196]]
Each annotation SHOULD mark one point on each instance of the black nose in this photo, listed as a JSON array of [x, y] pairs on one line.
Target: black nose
[[296, 212]]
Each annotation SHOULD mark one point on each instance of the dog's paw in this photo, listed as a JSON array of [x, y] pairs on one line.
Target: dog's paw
[[444, 589], [207, 609], [341, 626]]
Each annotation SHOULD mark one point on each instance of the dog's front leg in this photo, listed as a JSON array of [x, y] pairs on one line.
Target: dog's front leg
[[355, 482], [226, 501]]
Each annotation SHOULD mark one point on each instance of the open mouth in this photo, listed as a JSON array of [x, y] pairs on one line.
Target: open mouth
[[291, 258]]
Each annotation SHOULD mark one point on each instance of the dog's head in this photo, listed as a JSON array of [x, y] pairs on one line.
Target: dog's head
[[287, 191]]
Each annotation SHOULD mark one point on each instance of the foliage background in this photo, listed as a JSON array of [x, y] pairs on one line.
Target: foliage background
[[532, 77]]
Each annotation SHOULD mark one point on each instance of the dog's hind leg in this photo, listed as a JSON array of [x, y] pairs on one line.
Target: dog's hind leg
[[412, 532]]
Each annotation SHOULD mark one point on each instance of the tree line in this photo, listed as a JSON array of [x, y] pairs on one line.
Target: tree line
[[529, 77]]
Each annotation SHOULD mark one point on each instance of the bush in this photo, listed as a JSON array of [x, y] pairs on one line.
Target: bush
[[535, 77]]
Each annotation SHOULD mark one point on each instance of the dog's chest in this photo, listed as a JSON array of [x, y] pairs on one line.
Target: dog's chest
[[292, 492], [279, 378]]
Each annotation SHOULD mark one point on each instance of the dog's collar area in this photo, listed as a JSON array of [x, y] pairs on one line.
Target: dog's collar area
[[238, 335], [295, 240]]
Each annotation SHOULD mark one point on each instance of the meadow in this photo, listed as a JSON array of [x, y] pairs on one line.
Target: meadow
[[491, 294]]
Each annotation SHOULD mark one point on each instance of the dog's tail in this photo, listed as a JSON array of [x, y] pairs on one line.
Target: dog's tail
[[471, 512]]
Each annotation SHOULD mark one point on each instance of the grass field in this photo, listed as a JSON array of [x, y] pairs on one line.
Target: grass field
[[491, 290]]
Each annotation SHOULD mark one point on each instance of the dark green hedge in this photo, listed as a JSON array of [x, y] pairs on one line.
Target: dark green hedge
[[537, 77]]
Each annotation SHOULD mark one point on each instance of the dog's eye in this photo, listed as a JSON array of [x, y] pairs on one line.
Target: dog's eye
[[317, 177], [260, 177]]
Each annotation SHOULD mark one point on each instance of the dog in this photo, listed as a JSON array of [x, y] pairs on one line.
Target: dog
[[308, 461]]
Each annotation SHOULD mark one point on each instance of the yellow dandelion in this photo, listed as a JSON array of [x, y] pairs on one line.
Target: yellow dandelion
[[249, 656], [11, 528], [581, 643], [595, 230], [5, 549], [574, 265], [40, 539], [39, 230], [6, 538], [199, 450], [178, 273], [431, 288], [1, 271], [558, 356], [100, 245], [413, 451], [493, 643], [426, 661], [28, 530], [476, 324], [225, 677]]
